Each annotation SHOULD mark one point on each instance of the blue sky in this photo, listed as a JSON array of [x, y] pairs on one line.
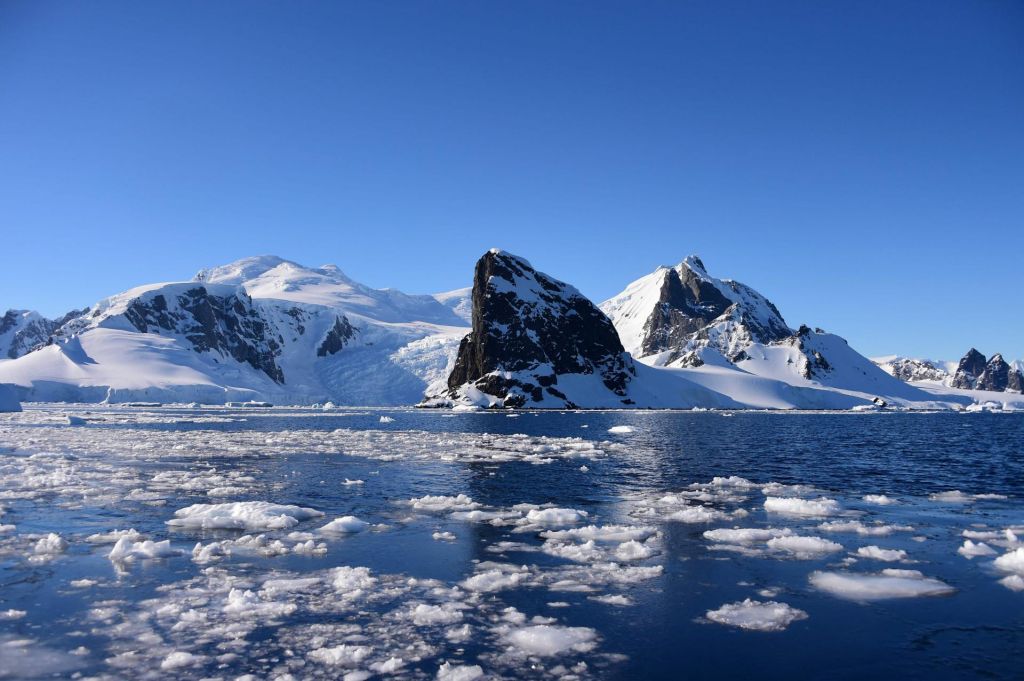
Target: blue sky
[[861, 163]]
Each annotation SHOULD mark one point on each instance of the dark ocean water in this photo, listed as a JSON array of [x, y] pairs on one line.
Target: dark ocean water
[[977, 631]]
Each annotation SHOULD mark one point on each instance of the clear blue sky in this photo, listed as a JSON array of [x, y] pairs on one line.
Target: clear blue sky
[[861, 163]]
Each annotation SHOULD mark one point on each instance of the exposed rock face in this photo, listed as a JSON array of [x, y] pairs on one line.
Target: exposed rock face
[[680, 310], [971, 366], [336, 339], [228, 324], [996, 376], [529, 330]]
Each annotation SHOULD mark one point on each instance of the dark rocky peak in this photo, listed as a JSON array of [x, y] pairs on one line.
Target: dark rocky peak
[[971, 366], [528, 329], [995, 376]]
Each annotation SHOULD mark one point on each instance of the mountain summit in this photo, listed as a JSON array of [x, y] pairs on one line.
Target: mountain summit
[[536, 341]]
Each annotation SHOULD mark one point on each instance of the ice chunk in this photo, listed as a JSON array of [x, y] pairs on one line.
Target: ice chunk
[[621, 430], [1012, 561], [604, 533], [50, 545], [438, 504], [179, 659], [492, 580], [971, 549], [548, 639], [746, 535], [883, 585], [757, 615], [878, 553], [1013, 582], [801, 507], [127, 550], [697, 514], [879, 499], [803, 546], [343, 655], [348, 524], [450, 672], [352, 582], [241, 515], [386, 419], [554, 517], [425, 615], [9, 398], [633, 550]]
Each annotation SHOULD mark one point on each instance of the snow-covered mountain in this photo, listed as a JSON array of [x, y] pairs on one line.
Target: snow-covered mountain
[[258, 328], [911, 369], [972, 372], [265, 328], [22, 331], [700, 341], [682, 317], [670, 316]]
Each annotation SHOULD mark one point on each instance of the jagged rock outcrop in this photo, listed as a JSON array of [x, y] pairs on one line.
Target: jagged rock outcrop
[[532, 335], [971, 366], [224, 323], [337, 338], [677, 311], [996, 376]]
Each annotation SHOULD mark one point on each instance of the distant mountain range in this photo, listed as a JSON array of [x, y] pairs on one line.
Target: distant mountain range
[[265, 328]]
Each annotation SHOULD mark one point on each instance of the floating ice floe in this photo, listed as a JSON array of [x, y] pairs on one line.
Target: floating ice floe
[[12, 614], [880, 499], [441, 504], [1013, 582], [348, 524], [250, 516], [889, 583], [796, 506], [973, 550], [349, 483], [955, 496], [127, 550], [546, 640], [621, 430], [1012, 561], [386, 419], [878, 529], [803, 546], [878, 553], [49, 545], [756, 615], [466, 672], [746, 535], [555, 517], [443, 536]]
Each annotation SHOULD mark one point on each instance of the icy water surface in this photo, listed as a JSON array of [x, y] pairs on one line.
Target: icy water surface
[[355, 544]]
